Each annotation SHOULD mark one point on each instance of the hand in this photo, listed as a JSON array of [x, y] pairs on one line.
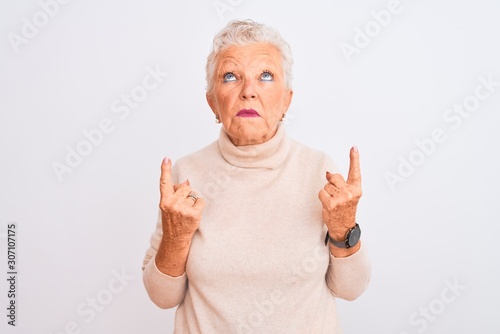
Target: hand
[[181, 215], [340, 198]]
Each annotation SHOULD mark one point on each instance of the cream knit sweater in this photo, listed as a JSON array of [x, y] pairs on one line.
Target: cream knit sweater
[[258, 262]]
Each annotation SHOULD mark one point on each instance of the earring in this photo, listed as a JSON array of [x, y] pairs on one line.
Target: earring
[[282, 118], [217, 120]]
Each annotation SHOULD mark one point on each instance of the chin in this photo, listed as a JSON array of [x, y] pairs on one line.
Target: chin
[[249, 136]]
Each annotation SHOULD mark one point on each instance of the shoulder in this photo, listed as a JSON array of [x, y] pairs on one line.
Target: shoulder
[[207, 152], [197, 160], [311, 157]]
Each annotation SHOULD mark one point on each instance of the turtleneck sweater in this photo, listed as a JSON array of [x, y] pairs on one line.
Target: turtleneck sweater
[[258, 262]]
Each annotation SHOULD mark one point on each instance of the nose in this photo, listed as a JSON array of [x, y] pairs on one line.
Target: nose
[[248, 91]]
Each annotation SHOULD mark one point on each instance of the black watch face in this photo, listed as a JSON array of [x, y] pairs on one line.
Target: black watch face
[[354, 236]]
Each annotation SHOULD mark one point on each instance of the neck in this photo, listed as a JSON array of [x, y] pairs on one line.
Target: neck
[[269, 154]]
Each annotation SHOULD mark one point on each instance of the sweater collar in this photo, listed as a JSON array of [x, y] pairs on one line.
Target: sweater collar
[[266, 155]]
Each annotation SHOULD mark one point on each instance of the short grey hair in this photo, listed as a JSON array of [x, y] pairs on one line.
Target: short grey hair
[[242, 33]]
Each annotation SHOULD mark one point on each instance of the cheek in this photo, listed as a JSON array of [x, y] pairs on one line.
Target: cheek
[[276, 101], [227, 98]]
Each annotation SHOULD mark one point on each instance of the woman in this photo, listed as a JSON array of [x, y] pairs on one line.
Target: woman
[[240, 241]]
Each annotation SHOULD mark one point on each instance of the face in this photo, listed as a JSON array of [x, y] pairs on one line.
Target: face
[[249, 94]]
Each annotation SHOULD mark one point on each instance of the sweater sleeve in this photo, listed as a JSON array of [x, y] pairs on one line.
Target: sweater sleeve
[[164, 290], [348, 277]]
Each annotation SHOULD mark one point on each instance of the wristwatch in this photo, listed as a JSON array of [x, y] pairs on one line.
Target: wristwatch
[[351, 238]]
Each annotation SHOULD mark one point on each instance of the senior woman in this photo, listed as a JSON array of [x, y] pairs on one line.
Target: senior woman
[[256, 233]]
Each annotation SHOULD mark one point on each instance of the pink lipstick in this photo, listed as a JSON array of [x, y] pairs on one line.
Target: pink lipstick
[[247, 113]]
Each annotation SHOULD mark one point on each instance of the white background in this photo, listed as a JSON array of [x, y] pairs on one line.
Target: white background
[[74, 234]]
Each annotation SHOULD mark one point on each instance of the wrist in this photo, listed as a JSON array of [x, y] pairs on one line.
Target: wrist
[[177, 242], [340, 233], [344, 238]]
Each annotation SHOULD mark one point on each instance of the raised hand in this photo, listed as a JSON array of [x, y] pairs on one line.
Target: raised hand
[[181, 208], [340, 198]]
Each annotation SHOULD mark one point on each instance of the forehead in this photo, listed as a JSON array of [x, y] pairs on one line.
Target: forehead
[[248, 54]]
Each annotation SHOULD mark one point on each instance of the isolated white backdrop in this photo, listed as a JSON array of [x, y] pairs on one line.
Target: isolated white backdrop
[[82, 235]]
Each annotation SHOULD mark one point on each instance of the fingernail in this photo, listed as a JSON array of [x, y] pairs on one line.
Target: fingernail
[[166, 160], [327, 172], [355, 148]]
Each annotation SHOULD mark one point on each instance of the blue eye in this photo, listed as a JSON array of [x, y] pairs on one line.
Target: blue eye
[[267, 76], [229, 76]]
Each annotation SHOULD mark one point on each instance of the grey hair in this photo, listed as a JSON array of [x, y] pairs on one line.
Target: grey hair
[[242, 33]]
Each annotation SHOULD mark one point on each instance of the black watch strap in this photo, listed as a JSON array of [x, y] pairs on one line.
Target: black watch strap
[[338, 244], [351, 238]]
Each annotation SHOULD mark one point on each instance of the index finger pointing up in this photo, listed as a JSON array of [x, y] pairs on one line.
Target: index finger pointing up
[[354, 176], [166, 187]]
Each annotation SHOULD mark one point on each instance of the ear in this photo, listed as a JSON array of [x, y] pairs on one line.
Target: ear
[[211, 103], [287, 100]]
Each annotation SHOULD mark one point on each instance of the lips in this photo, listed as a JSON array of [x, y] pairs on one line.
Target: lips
[[247, 113]]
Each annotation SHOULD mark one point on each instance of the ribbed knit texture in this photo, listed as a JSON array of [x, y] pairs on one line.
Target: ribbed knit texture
[[258, 262]]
